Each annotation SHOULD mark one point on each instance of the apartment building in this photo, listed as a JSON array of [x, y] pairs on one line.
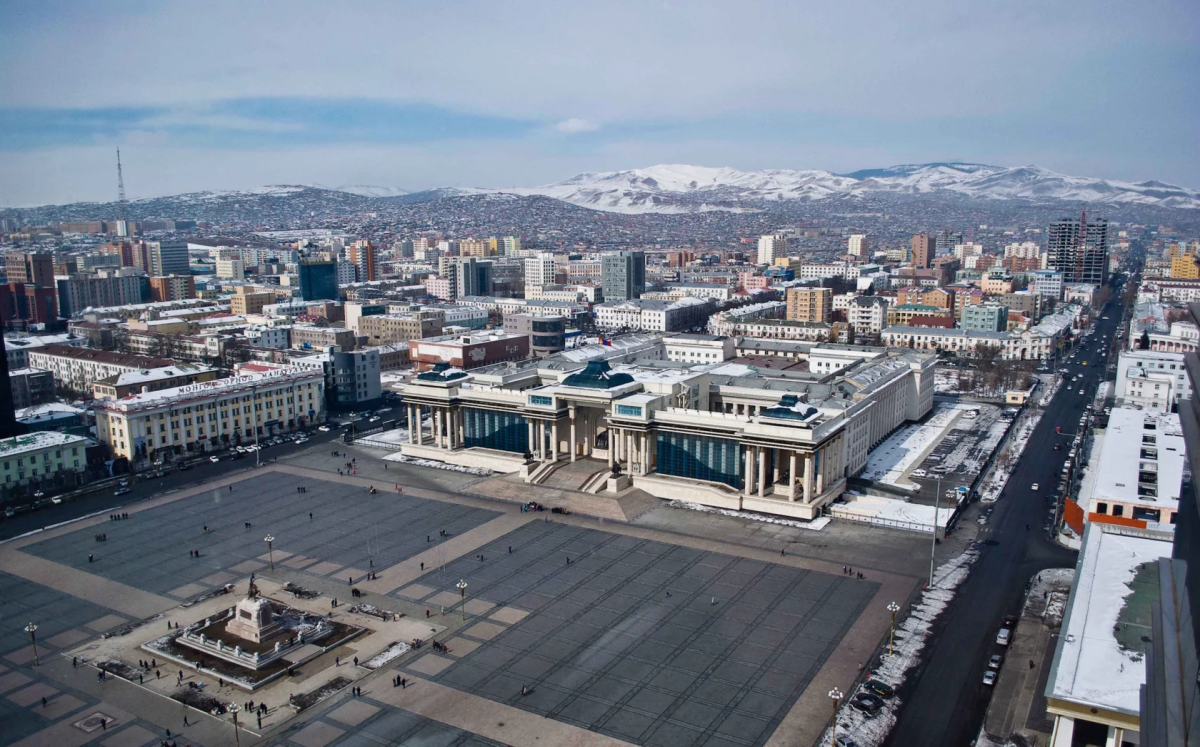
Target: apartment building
[[809, 304], [77, 369]]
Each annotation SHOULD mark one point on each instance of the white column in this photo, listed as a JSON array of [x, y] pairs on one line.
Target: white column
[[749, 470], [821, 473], [792, 476], [574, 448], [612, 448], [646, 458], [808, 475], [554, 441], [529, 431], [437, 428], [762, 471]]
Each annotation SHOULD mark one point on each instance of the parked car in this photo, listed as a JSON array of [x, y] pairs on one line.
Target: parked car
[[57, 500], [882, 689], [989, 677], [918, 473], [844, 742], [1010, 621], [1033, 486], [214, 459], [1003, 636], [866, 702], [122, 491], [184, 467], [323, 428], [995, 661]]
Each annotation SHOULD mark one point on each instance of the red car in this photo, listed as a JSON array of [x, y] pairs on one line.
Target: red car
[[1058, 429]]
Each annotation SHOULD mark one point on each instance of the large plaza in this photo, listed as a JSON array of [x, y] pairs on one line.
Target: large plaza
[[574, 631]]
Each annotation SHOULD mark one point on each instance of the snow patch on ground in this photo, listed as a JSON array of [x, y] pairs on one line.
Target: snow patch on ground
[[393, 439], [900, 452], [911, 635], [894, 512], [994, 484], [393, 651], [398, 457], [816, 524]]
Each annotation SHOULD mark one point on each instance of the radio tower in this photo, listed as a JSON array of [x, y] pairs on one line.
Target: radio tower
[[122, 203]]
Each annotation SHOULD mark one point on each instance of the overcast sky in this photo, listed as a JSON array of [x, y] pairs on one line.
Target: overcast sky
[[417, 94]]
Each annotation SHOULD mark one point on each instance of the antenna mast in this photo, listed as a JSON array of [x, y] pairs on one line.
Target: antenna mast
[[122, 203]]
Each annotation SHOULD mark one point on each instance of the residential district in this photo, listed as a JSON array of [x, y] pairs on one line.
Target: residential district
[[919, 490]]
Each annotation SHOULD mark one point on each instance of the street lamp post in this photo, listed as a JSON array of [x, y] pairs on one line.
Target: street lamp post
[[269, 539], [31, 629], [835, 695], [893, 608], [236, 737], [462, 589], [937, 498]]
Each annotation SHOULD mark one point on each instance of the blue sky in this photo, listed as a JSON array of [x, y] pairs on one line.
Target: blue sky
[[418, 95]]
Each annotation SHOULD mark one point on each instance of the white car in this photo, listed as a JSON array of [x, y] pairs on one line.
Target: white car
[[301, 440], [214, 459], [323, 428], [919, 473], [1033, 486]]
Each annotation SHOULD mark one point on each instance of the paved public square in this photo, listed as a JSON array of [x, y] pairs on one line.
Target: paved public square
[[350, 533], [645, 636], [649, 642]]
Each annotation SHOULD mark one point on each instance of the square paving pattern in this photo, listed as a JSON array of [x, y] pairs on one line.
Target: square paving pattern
[[349, 528], [54, 612], [645, 641], [387, 725]]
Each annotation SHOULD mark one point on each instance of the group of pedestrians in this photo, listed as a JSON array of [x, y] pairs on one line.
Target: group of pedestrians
[[851, 572], [119, 517]]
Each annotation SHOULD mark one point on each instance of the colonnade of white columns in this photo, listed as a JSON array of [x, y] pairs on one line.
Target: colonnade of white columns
[[446, 428], [801, 480], [633, 450]]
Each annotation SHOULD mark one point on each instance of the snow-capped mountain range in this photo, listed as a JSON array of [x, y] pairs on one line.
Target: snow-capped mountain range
[[682, 188]]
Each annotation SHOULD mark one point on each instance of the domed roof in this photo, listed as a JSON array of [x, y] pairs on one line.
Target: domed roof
[[597, 375]]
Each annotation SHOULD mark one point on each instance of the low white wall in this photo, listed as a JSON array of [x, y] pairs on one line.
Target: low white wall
[[496, 461], [678, 489]]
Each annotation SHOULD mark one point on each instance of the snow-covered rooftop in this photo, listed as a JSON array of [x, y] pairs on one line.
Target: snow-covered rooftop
[[1091, 666], [1130, 449]]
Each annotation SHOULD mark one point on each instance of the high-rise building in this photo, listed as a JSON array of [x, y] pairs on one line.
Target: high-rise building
[[922, 250], [230, 265], [318, 280], [172, 288], [364, 256], [809, 304], [946, 241], [857, 245], [623, 275], [472, 277], [9, 426], [31, 269], [472, 247], [511, 246], [539, 270], [770, 247], [168, 258], [1079, 249], [1185, 266]]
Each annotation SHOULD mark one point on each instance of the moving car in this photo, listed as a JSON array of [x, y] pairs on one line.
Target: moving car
[[214, 459], [302, 439], [989, 677], [323, 428], [1033, 486], [122, 491]]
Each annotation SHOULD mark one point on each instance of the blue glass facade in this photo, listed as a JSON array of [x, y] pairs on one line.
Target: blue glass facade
[[700, 458], [504, 431]]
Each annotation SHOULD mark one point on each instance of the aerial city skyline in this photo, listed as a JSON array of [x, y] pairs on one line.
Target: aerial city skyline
[[529, 374]]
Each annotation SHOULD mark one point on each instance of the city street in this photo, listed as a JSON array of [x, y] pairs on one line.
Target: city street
[[946, 701]]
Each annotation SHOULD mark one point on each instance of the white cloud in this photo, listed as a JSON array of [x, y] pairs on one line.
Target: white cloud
[[574, 124]]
